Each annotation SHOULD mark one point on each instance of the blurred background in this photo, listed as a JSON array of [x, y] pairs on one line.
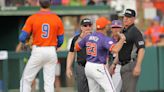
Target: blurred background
[[13, 14]]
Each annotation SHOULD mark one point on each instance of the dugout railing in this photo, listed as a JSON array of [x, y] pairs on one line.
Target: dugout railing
[[151, 80]]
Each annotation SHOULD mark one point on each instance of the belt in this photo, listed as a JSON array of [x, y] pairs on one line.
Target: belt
[[81, 64], [124, 62]]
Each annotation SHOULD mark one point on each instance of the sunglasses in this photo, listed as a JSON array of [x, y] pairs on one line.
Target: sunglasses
[[89, 25]]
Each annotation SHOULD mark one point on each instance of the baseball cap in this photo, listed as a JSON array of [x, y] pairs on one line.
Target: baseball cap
[[86, 21], [116, 23], [156, 18], [102, 22], [130, 13]]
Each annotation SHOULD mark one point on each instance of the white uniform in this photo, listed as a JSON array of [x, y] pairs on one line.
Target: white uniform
[[98, 74], [116, 77], [97, 51], [45, 57]]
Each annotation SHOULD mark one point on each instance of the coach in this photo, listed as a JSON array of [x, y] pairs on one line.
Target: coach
[[132, 52]]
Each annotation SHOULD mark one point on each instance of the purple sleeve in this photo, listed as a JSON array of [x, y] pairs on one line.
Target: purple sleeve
[[82, 42], [108, 43]]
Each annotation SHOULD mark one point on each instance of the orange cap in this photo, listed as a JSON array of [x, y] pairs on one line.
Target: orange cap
[[102, 22]]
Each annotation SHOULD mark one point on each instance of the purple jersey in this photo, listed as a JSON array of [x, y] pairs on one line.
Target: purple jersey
[[97, 47]]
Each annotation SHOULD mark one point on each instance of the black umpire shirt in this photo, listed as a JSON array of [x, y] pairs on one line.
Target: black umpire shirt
[[81, 55], [133, 38]]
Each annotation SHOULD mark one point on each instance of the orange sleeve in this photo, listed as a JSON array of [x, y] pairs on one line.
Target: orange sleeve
[[61, 28], [148, 32], [28, 25], [162, 29], [111, 47], [77, 47]]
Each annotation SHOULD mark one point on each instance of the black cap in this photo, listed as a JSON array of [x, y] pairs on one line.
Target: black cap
[[86, 21], [130, 13]]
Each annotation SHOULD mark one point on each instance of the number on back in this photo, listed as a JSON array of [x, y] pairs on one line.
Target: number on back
[[45, 30], [91, 49]]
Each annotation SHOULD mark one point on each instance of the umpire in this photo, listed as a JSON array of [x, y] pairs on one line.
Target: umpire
[[82, 83], [132, 53]]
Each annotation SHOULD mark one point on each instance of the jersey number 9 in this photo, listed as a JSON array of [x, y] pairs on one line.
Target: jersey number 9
[[45, 30]]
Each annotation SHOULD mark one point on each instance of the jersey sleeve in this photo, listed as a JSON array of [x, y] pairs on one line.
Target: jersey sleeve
[[61, 27], [82, 43], [148, 32], [108, 43], [73, 44], [28, 25], [139, 40]]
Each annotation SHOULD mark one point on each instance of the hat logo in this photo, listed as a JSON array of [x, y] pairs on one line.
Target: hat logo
[[128, 12], [86, 20], [115, 23]]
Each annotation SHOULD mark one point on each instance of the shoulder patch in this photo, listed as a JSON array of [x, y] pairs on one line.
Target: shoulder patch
[[140, 42]]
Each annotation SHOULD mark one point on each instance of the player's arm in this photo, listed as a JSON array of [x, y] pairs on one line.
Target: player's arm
[[26, 30], [23, 36], [116, 48], [19, 47], [80, 43], [77, 46], [60, 33], [60, 40], [113, 65]]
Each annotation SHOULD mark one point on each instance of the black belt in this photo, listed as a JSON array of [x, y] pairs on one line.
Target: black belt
[[124, 62], [81, 63]]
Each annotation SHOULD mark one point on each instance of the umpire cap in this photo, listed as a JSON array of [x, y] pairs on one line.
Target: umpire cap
[[86, 21], [130, 13], [45, 3]]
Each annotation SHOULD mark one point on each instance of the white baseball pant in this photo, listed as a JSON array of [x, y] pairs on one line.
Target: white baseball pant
[[45, 57], [98, 74], [116, 77]]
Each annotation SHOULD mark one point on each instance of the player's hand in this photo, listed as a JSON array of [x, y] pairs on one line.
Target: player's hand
[[112, 69], [85, 33], [69, 73], [137, 70], [122, 36]]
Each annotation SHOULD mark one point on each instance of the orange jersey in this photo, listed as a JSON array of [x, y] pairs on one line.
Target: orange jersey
[[45, 26]]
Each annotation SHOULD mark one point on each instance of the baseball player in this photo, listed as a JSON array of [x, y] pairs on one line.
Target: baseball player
[[48, 33], [116, 27], [97, 46]]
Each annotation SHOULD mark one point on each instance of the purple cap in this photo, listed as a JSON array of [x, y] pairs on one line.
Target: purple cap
[[157, 18], [116, 23]]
